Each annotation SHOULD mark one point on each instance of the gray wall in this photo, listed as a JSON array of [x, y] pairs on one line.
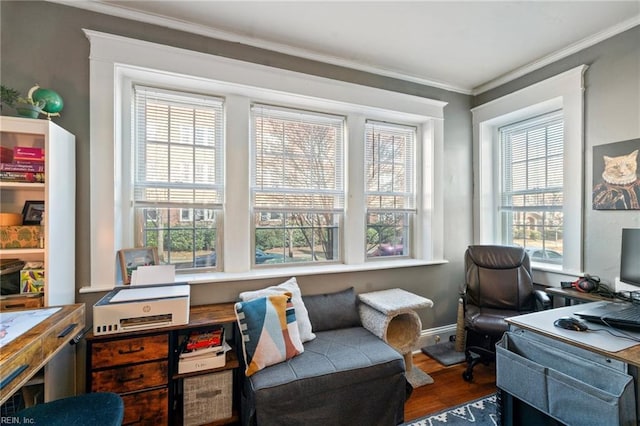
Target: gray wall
[[43, 42], [612, 114]]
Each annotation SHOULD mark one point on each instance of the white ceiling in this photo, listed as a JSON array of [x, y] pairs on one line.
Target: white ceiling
[[467, 46]]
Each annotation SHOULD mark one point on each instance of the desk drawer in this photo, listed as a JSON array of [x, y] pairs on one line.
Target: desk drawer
[[62, 331], [21, 365], [131, 378], [146, 408], [126, 351]]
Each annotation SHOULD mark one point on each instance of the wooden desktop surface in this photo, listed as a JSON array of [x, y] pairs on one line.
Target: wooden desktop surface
[[570, 293], [23, 357]]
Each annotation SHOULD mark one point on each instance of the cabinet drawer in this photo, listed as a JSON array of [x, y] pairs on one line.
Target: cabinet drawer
[[126, 351], [8, 303], [146, 408], [131, 378]]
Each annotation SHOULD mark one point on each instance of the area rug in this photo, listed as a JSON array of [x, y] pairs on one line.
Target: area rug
[[479, 412], [445, 353]]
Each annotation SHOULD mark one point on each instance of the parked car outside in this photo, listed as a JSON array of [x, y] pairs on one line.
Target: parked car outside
[[260, 258], [388, 250], [544, 255]]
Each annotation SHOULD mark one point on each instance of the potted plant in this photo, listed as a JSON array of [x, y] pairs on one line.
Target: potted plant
[[27, 107], [8, 96]]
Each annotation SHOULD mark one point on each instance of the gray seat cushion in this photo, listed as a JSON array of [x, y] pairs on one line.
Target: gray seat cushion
[[333, 360]]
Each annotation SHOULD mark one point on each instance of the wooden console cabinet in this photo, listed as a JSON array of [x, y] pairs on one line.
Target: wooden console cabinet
[[142, 367]]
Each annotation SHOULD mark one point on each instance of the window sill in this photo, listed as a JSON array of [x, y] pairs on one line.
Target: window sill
[[552, 275], [297, 271]]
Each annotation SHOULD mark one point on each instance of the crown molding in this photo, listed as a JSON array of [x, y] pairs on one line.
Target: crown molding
[[558, 55], [176, 24]]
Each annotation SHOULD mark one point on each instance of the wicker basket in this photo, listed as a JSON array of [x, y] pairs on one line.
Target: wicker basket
[[207, 398]]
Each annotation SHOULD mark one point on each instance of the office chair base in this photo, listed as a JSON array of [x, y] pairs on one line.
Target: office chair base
[[475, 356], [472, 359]]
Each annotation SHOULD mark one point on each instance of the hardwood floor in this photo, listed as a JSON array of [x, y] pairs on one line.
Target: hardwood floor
[[449, 388]]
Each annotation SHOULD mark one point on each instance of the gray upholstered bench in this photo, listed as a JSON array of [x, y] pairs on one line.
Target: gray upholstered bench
[[345, 376]]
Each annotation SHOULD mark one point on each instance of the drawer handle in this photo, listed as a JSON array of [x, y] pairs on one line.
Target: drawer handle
[[123, 380], [15, 373], [67, 330], [15, 305], [131, 351]]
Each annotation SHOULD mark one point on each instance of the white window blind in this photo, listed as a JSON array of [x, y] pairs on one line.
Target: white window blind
[[178, 175], [178, 150], [531, 196], [390, 167], [297, 159], [390, 188]]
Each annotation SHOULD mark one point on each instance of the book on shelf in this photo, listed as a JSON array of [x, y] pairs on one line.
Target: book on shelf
[[22, 167], [205, 361], [199, 342], [28, 154], [29, 177]]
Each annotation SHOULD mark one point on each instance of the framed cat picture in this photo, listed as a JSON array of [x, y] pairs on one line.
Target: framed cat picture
[[616, 184]]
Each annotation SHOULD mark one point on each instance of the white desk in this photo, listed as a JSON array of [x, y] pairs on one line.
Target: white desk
[[622, 353], [542, 322]]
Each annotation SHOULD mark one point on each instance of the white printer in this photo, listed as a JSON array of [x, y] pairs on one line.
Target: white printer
[[142, 307]]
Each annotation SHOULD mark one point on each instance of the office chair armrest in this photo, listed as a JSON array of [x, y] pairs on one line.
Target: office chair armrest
[[543, 299]]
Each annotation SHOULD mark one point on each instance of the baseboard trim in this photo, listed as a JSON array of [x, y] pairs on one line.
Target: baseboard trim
[[435, 335]]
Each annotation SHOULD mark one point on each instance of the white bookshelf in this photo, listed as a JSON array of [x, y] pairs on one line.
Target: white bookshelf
[[58, 255]]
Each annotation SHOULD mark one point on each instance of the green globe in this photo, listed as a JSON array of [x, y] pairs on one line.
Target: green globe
[[53, 101]]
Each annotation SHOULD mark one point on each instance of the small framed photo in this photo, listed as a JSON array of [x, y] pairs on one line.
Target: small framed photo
[[131, 259], [32, 212]]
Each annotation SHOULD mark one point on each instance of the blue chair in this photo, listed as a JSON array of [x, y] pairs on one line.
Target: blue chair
[[96, 409]]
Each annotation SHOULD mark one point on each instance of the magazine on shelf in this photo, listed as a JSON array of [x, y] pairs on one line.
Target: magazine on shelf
[[205, 361]]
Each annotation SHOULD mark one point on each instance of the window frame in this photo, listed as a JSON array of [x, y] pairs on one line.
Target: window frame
[[142, 95], [116, 62], [408, 210], [505, 218], [337, 192], [564, 92]]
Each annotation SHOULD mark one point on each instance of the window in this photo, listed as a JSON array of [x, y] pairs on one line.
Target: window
[[298, 208], [531, 192], [528, 163], [297, 184], [390, 188], [178, 180]]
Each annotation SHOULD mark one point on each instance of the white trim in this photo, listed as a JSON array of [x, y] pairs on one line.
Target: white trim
[[116, 62], [248, 77], [126, 13], [435, 335], [564, 91], [123, 12], [217, 277], [558, 55]]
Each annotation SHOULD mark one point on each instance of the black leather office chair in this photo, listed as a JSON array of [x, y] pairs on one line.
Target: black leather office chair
[[498, 285]]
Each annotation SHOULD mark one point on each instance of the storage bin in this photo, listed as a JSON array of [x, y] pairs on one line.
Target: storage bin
[[566, 386], [207, 398], [32, 281], [19, 237]]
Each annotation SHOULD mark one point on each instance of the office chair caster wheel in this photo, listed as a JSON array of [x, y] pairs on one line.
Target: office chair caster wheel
[[467, 376]]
